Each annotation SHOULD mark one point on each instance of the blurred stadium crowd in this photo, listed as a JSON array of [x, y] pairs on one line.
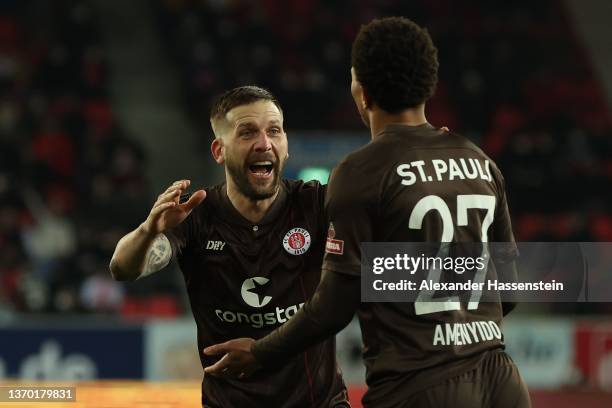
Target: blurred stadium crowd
[[514, 77], [71, 182]]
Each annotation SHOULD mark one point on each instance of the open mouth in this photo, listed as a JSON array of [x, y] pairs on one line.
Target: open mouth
[[261, 169]]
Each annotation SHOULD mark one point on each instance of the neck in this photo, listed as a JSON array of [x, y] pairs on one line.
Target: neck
[[379, 119], [252, 210]]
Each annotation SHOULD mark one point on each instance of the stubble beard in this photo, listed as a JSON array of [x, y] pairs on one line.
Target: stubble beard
[[239, 174]]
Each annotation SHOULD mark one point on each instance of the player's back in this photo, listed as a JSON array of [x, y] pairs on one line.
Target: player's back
[[420, 184]]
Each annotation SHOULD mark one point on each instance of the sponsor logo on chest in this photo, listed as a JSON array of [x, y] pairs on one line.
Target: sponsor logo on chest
[[255, 294], [215, 245], [296, 241]]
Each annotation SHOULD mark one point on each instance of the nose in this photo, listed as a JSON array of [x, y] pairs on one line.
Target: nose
[[262, 143]]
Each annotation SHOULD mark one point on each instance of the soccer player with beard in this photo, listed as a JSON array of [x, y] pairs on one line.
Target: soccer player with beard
[[402, 187], [250, 251]]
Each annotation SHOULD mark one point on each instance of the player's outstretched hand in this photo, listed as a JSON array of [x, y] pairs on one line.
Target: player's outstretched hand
[[168, 212], [238, 361]]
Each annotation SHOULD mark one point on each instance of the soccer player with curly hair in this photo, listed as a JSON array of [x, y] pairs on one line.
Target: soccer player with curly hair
[[412, 183]]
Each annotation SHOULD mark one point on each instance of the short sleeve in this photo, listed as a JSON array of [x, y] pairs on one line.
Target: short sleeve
[[181, 236], [349, 205]]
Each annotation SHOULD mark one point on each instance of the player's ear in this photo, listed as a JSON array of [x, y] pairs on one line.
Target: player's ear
[[362, 99], [218, 150], [366, 101], [287, 139]]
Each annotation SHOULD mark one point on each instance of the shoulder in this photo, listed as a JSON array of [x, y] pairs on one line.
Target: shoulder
[[464, 142], [210, 204], [458, 141], [307, 198], [496, 174], [356, 180], [360, 170], [305, 190], [297, 187], [214, 194], [363, 158]]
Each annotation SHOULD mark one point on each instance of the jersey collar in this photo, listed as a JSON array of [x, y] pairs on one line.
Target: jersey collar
[[395, 128], [233, 215]]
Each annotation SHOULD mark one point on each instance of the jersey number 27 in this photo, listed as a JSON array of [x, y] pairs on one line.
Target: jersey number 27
[[425, 303]]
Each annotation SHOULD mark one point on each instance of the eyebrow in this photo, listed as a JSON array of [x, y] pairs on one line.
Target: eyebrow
[[273, 122]]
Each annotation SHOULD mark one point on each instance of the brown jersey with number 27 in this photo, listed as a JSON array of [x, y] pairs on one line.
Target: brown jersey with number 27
[[417, 184]]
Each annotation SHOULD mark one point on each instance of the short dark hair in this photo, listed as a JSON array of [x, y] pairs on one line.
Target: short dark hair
[[396, 62], [242, 95]]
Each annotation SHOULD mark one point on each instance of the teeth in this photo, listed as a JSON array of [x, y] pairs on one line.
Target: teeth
[[262, 163]]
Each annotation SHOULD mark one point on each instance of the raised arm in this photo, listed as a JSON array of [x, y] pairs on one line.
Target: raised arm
[[146, 249]]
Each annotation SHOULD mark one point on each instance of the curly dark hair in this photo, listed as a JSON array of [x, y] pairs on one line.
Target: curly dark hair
[[243, 95], [396, 62]]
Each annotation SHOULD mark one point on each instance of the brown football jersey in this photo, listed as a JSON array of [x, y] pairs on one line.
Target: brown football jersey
[[417, 184], [244, 279]]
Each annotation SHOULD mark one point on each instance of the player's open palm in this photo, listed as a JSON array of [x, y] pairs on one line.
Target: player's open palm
[[168, 212]]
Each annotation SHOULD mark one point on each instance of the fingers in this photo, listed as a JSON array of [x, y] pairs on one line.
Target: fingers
[[177, 185], [182, 184], [217, 349], [229, 366], [161, 207], [173, 192], [170, 196], [195, 200], [219, 368], [238, 362]]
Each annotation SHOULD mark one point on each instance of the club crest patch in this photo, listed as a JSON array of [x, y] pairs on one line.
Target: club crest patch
[[296, 241]]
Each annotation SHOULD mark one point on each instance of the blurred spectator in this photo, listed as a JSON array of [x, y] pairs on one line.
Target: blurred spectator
[[50, 238], [71, 182]]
